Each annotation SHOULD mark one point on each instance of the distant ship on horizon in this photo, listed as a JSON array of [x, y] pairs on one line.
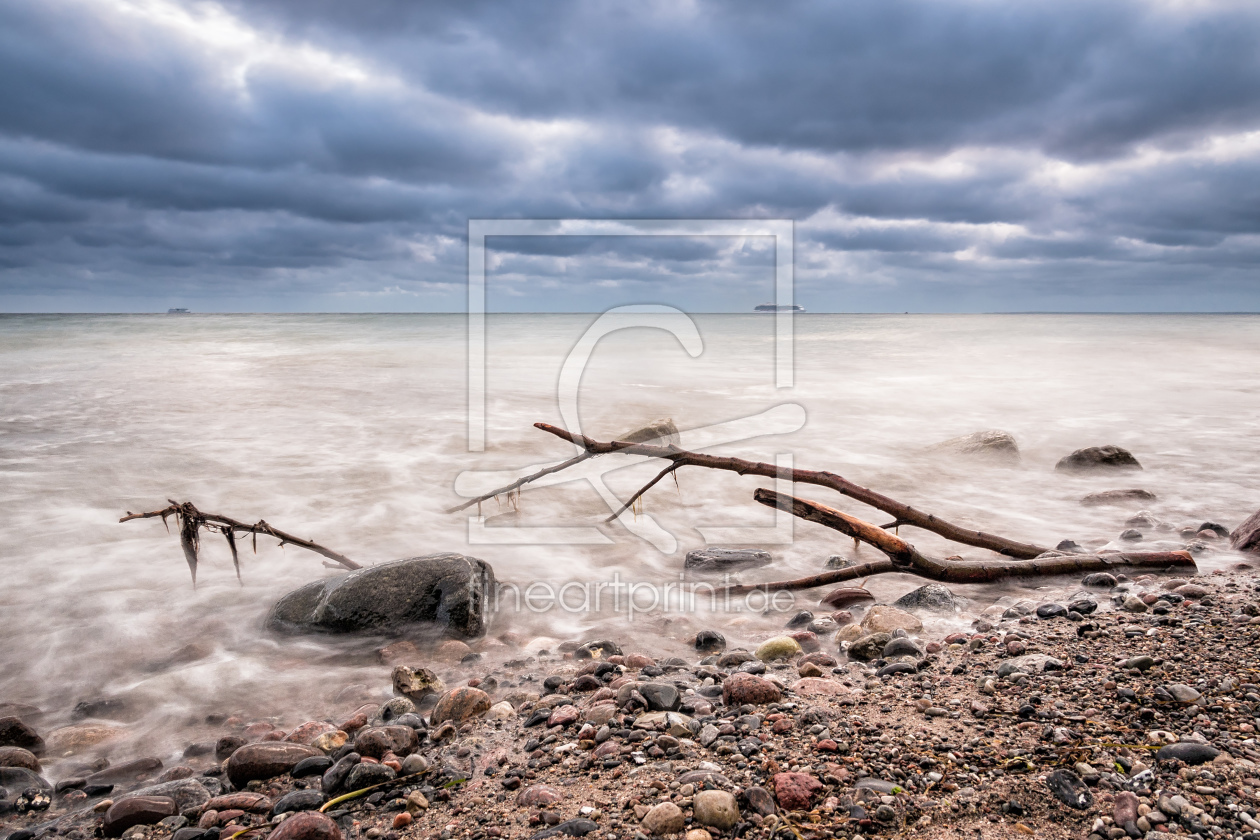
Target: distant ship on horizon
[[778, 307], [178, 311]]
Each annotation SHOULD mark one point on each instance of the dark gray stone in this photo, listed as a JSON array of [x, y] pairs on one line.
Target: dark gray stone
[[448, 589], [660, 697], [1188, 752], [1246, 537], [710, 641], [1068, 788], [932, 596], [1097, 458], [902, 646], [1100, 579], [726, 559], [366, 775], [1051, 611], [335, 777], [1119, 497], [597, 649], [299, 800]]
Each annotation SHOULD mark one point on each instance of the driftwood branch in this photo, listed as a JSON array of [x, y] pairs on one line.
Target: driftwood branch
[[521, 482], [189, 520], [903, 514], [646, 487], [904, 557]]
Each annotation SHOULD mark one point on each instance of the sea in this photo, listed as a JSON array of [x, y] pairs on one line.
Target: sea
[[362, 432]]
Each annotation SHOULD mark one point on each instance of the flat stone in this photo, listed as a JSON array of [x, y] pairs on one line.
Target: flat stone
[[660, 432], [726, 559], [18, 779], [299, 800], [538, 796], [760, 800], [187, 793], [265, 760], [1119, 497], [1188, 752], [126, 771]]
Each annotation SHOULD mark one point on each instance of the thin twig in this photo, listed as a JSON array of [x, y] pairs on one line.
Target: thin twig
[[521, 482], [644, 489]]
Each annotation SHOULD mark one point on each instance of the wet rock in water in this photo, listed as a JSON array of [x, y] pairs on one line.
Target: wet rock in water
[[715, 808], [187, 793], [1119, 497], [127, 771], [932, 596], [15, 733], [20, 778], [299, 800], [1191, 591], [1099, 579], [306, 825], [1051, 611], [597, 649], [365, 775], [265, 760], [846, 595], [869, 647], [1131, 535], [1068, 788], [726, 559], [801, 619], [661, 432], [253, 803], [459, 705], [19, 757], [837, 561], [1083, 606], [447, 589], [710, 641], [665, 818], [376, 741], [885, 619], [1134, 604], [783, 647], [1098, 458], [138, 810], [795, 791], [416, 683], [1188, 752], [1246, 537], [760, 800], [992, 445], [316, 765], [80, 737], [739, 689]]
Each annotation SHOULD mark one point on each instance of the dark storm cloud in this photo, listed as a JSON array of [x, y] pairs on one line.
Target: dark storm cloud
[[315, 148]]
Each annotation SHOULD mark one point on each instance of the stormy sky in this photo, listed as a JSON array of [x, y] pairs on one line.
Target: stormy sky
[[935, 155]]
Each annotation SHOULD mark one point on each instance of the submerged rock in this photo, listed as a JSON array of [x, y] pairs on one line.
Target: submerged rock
[[726, 559], [1094, 458], [991, 445], [15, 733], [1119, 497], [661, 432], [450, 590]]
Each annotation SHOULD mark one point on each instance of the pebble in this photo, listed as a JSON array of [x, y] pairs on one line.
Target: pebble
[[664, 818], [715, 808], [265, 760], [461, 704], [307, 825], [137, 810]]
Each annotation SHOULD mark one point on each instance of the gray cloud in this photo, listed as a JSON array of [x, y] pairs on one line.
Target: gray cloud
[[321, 155]]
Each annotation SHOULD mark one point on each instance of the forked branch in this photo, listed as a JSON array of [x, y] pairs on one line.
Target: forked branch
[[190, 521]]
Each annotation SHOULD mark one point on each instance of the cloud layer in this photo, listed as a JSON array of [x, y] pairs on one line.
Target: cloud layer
[[964, 155]]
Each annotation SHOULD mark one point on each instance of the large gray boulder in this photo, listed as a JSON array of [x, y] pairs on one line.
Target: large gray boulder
[[991, 445], [1098, 458], [449, 590]]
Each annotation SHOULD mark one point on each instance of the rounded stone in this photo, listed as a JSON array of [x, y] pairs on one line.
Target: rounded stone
[[538, 796], [715, 808], [19, 757], [795, 791], [378, 740], [137, 810], [266, 760], [299, 800], [416, 683], [366, 775], [665, 818], [782, 647], [460, 704], [739, 689], [710, 641], [306, 825]]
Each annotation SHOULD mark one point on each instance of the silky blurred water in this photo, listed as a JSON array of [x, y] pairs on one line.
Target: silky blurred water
[[350, 430]]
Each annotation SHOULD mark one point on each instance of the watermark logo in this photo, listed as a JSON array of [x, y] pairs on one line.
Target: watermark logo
[[774, 420]]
